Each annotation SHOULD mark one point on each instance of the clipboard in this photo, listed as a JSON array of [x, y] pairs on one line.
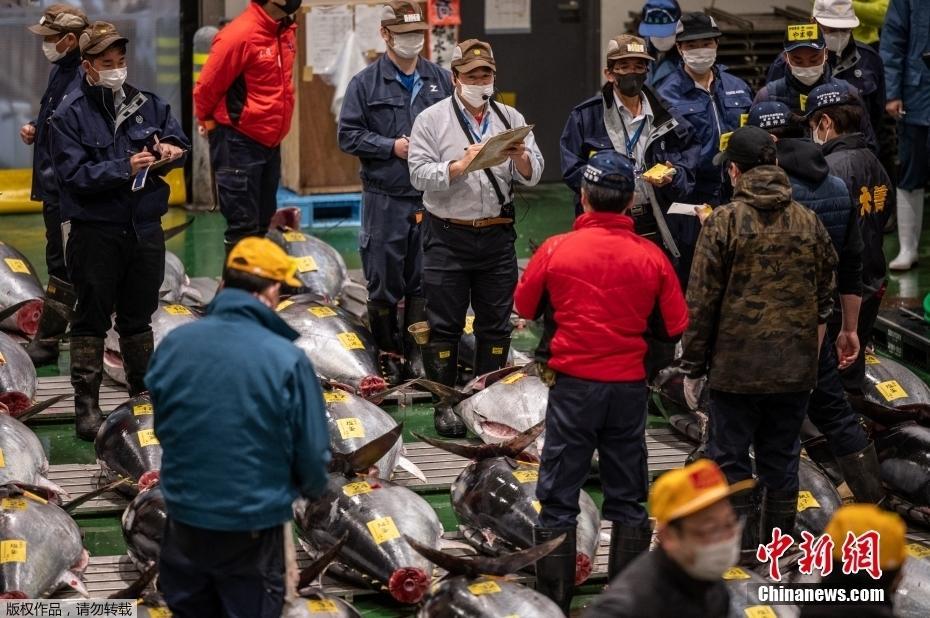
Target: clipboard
[[492, 151]]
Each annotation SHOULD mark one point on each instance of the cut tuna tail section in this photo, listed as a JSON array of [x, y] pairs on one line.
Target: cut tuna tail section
[[511, 448], [365, 457], [316, 568], [474, 566], [135, 589]]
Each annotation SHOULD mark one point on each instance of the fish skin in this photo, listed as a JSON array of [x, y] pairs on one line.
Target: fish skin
[[23, 456], [374, 421], [21, 289], [119, 445], [165, 319], [455, 596], [811, 478], [18, 380], [317, 603], [174, 281], [330, 274], [143, 524]]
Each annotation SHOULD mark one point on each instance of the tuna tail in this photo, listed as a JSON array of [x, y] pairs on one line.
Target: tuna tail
[[135, 589], [511, 448], [474, 566], [316, 568], [70, 506], [365, 457], [171, 232], [42, 406], [446, 394]]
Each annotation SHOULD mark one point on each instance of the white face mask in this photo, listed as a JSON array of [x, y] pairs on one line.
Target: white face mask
[[50, 49], [712, 561], [836, 41], [700, 60], [663, 43], [476, 96], [807, 75], [408, 45], [815, 136], [112, 78]]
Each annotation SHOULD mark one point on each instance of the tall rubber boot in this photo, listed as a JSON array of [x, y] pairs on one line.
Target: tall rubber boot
[[863, 475], [382, 319], [779, 510], [440, 361], [491, 355], [56, 315], [746, 506], [626, 543], [414, 311], [910, 220], [136, 352], [86, 376], [555, 573]]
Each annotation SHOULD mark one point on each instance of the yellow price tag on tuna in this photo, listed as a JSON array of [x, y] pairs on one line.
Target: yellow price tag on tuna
[[350, 428], [2, 460], [142, 409], [177, 310], [725, 141], [735, 573], [917, 550], [383, 530], [355, 489], [13, 550], [513, 377], [526, 476], [445, 353], [469, 325], [306, 264], [480, 588], [802, 32], [350, 341], [802, 100], [147, 437], [806, 500], [871, 359], [891, 390], [294, 237], [17, 266], [536, 506], [159, 612], [284, 304], [14, 504], [322, 312], [335, 397], [760, 611], [322, 606]]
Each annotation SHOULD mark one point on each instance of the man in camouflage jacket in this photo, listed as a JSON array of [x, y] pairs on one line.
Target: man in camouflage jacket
[[761, 289]]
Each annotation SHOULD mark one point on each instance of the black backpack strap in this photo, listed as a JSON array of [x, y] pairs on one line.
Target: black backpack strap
[[471, 140]]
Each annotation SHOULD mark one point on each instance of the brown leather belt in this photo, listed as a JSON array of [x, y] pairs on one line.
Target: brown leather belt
[[480, 223]]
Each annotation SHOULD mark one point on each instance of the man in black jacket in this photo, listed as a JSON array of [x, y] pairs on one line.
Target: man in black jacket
[[699, 539], [60, 26]]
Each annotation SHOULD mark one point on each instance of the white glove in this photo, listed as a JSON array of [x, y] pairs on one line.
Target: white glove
[[693, 388]]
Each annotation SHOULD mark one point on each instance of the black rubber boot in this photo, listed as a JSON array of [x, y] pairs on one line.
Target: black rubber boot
[[555, 573], [863, 475], [440, 361], [382, 319], [86, 376], [56, 314], [491, 356], [746, 506], [779, 510], [136, 352], [626, 543], [414, 311]]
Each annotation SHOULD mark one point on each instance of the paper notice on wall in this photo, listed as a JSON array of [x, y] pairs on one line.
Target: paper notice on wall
[[368, 28], [507, 16], [327, 29]]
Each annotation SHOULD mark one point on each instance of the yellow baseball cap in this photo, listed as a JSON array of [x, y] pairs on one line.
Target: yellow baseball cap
[[683, 492], [862, 518], [263, 258]]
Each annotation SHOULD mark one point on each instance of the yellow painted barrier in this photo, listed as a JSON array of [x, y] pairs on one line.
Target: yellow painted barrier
[[16, 188]]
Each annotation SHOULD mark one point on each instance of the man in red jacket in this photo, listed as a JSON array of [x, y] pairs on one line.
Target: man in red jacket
[[599, 287], [245, 99]]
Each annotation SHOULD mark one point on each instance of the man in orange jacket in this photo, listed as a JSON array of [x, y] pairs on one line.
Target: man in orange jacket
[[245, 99]]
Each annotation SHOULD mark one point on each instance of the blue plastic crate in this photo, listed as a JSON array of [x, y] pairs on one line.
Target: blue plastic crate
[[324, 210]]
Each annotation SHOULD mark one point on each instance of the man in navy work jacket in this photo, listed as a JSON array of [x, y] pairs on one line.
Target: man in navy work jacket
[[105, 137], [59, 27], [713, 102], [240, 416], [377, 117]]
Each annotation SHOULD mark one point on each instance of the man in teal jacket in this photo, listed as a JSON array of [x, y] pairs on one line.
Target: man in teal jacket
[[240, 417]]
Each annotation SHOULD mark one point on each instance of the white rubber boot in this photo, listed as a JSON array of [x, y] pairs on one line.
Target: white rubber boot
[[910, 219]]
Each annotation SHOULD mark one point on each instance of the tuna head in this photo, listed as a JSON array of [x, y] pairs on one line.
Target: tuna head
[[165, 319], [126, 445], [41, 547], [143, 525], [22, 456], [354, 422], [320, 268], [18, 381], [21, 293]]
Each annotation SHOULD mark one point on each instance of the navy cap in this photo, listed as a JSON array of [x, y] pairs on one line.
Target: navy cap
[[610, 169], [659, 18], [746, 146], [827, 95], [804, 35], [769, 115], [696, 26]]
